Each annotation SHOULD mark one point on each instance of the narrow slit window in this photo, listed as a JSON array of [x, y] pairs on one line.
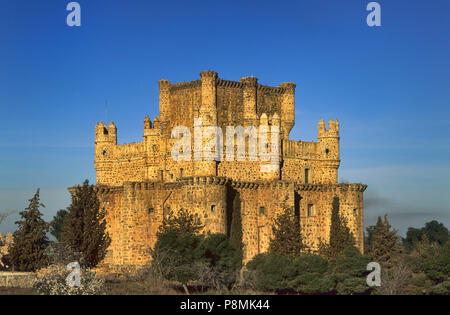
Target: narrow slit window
[[310, 210], [306, 175]]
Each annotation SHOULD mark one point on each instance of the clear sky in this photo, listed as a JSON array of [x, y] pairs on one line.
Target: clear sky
[[389, 87]]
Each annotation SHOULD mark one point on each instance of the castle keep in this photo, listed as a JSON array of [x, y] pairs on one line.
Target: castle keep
[[140, 183]]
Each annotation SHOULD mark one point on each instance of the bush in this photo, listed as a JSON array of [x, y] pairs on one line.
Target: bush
[[175, 256], [270, 272], [52, 281], [350, 272], [313, 275], [309, 274], [220, 260]]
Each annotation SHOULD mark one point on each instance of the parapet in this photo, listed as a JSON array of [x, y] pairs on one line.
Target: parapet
[[333, 129], [208, 74], [106, 134]]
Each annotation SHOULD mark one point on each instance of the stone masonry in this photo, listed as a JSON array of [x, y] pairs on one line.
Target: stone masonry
[[140, 183]]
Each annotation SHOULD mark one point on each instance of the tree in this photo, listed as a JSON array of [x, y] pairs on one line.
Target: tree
[[222, 258], [397, 280], [340, 235], [183, 223], [182, 255], [57, 224], [287, 239], [430, 263], [84, 228], [306, 274], [271, 272], [313, 275], [350, 272], [435, 232], [28, 251], [176, 256], [236, 226], [385, 248], [413, 236], [368, 238]]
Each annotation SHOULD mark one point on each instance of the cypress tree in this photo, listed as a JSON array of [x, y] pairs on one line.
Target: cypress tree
[[84, 229], [385, 245], [57, 224], [287, 239], [340, 235], [28, 252]]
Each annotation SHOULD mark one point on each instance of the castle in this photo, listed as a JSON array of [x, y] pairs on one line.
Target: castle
[[140, 183]]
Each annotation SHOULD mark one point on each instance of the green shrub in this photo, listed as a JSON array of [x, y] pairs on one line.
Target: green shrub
[[271, 272], [222, 259], [313, 275], [350, 272], [175, 256]]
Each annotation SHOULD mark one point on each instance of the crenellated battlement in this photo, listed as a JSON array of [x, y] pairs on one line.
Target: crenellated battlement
[[150, 159], [140, 183], [332, 131]]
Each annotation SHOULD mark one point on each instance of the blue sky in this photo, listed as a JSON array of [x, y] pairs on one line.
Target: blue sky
[[389, 87]]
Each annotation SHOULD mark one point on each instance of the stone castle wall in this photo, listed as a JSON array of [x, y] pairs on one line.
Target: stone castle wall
[[140, 183]]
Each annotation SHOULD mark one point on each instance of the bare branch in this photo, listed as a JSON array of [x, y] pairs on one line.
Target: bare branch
[[6, 214]]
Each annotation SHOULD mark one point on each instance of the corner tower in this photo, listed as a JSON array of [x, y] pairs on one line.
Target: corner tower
[[328, 149], [287, 108]]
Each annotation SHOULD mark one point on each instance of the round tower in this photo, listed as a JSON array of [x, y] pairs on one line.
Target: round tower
[[207, 118], [328, 146], [151, 144], [105, 141]]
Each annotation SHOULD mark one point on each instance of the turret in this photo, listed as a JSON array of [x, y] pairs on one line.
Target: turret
[[105, 134], [263, 120], [276, 120], [250, 114], [156, 123], [149, 130], [208, 109], [269, 146], [287, 108], [105, 141], [112, 130], [152, 136], [208, 116], [147, 123], [328, 146]]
